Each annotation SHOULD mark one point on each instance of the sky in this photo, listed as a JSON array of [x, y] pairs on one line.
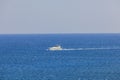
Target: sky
[[59, 16]]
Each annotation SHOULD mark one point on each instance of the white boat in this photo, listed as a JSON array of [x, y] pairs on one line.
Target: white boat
[[54, 48]]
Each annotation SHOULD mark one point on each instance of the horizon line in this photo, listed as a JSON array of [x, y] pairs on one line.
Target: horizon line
[[51, 33]]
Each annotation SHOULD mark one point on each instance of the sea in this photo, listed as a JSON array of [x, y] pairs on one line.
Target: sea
[[83, 57]]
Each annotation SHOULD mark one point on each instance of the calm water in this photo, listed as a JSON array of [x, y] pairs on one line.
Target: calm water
[[84, 57]]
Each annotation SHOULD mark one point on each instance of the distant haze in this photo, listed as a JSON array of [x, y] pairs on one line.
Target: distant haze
[[59, 16]]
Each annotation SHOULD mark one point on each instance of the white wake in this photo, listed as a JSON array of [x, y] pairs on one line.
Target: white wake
[[114, 48]]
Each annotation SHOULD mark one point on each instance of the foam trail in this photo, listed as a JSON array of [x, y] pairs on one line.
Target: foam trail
[[67, 49]]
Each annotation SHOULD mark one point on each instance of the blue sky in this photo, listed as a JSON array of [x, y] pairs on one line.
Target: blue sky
[[59, 16]]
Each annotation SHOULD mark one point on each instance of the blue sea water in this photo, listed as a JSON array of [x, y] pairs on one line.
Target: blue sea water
[[84, 57]]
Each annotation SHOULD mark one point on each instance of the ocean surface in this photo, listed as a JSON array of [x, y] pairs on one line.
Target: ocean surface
[[84, 57]]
